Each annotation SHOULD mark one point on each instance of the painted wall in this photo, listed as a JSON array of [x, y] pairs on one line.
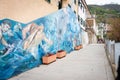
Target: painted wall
[[23, 45]]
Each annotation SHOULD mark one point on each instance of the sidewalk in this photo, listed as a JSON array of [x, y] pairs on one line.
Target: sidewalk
[[89, 63]]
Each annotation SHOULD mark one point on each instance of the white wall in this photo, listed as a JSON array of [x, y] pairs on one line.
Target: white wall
[[85, 39], [117, 53]]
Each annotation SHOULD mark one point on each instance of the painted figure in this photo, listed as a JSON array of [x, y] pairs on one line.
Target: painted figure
[[5, 35], [18, 31], [28, 30], [36, 35], [2, 39]]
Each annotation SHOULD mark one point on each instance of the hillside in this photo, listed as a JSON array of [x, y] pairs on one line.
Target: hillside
[[104, 12], [112, 6]]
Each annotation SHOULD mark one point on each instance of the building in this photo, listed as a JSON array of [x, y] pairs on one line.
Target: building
[[101, 31], [26, 10], [108, 31], [92, 29], [71, 3], [108, 28], [83, 13], [85, 19]]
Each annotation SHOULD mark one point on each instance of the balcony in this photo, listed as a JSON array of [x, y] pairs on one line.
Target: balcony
[[91, 25]]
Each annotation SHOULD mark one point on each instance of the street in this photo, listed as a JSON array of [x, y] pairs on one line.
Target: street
[[89, 63]]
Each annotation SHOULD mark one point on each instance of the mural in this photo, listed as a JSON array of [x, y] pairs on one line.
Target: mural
[[23, 45]]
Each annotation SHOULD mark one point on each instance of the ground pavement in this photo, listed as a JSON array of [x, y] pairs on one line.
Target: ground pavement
[[89, 63]]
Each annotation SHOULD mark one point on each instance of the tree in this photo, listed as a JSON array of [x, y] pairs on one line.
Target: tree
[[114, 34]]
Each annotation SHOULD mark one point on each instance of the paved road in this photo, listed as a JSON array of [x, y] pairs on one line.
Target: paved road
[[89, 63]]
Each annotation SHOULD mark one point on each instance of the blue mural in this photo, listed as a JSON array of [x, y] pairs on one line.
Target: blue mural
[[23, 45]]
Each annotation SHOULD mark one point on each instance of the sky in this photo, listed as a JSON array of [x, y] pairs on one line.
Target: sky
[[102, 2]]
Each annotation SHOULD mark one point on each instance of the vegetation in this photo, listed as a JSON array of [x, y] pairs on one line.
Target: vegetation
[[108, 14], [115, 26], [103, 12]]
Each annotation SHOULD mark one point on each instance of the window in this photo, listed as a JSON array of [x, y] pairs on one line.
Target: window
[[69, 5], [81, 6], [75, 12], [83, 9], [60, 4], [48, 1], [79, 2], [78, 18], [75, 1], [84, 23], [81, 21]]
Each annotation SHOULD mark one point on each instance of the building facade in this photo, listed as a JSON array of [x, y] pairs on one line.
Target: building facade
[[85, 19], [28, 10], [101, 31], [83, 13], [92, 29], [37, 28]]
